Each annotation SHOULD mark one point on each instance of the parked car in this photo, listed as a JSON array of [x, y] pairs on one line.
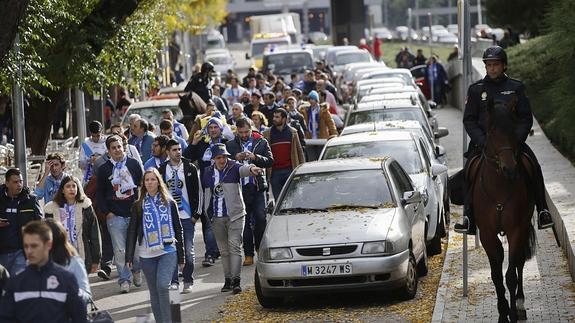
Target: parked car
[[343, 225], [343, 58], [152, 110], [408, 149], [330, 53], [284, 62], [382, 33], [402, 33], [318, 37], [222, 60]]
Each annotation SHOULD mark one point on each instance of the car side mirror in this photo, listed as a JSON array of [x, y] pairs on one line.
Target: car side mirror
[[439, 151], [247, 56], [441, 132], [411, 197], [438, 169]]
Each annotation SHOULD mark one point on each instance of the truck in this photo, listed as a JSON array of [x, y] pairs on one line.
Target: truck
[[272, 30]]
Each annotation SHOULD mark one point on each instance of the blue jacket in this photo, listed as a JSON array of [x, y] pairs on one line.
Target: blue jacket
[[145, 147], [50, 188], [46, 294]]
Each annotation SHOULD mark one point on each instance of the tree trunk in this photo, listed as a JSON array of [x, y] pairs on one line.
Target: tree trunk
[[39, 116], [14, 10]]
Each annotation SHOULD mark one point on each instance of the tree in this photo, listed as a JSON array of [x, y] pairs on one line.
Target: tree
[[523, 16], [9, 23]]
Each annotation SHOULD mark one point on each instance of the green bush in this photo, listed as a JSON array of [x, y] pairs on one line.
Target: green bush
[[546, 66]]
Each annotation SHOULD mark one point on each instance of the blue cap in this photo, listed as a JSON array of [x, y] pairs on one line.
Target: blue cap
[[313, 95], [218, 150]]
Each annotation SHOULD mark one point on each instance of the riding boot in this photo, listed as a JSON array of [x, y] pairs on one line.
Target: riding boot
[[544, 219], [468, 223]]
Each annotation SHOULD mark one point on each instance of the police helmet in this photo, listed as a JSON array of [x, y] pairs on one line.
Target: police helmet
[[207, 67], [495, 53]]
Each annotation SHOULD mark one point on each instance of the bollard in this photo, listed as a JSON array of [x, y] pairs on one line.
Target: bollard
[[175, 305]]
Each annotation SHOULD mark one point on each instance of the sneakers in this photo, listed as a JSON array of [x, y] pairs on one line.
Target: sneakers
[[187, 288], [544, 220], [236, 289], [227, 285], [137, 278], [208, 261], [249, 261], [125, 287], [174, 286], [104, 273]]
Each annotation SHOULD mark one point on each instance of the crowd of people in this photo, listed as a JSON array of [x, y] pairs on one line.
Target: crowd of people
[[144, 188]]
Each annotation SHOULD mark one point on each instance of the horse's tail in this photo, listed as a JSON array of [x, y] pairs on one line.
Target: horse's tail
[[530, 247]]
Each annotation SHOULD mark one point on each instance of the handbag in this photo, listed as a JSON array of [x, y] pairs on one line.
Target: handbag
[[98, 316]]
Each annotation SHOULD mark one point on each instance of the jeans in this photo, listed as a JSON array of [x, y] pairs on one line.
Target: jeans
[[188, 272], [158, 272], [278, 178], [209, 238], [14, 262], [107, 249], [118, 228], [255, 218], [229, 238]]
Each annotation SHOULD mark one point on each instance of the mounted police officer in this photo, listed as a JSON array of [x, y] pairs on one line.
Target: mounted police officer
[[200, 83], [498, 86]]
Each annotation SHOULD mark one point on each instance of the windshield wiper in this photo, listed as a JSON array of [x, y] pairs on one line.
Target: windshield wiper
[[300, 210], [352, 206]]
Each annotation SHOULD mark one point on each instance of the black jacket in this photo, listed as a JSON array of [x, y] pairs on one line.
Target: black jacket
[[193, 185], [502, 91], [199, 85], [268, 111], [52, 296], [28, 210], [136, 232], [106, 196], [261, 148]]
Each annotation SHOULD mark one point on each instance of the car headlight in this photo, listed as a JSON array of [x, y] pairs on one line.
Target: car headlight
[[378, 247], [280, 253]]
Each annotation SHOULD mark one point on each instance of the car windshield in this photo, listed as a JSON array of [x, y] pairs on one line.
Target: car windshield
[[219, 60], [354, 57], [215, 43], [288, 63], [258, 48], [404, 151], [334, 190], [405, 77], [368, 116], [154, 114]]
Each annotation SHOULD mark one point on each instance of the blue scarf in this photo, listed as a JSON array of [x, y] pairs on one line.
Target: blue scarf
[[88, 152], [175, 186], [70, 223], [157, 220], [247, 146], [313, 122]]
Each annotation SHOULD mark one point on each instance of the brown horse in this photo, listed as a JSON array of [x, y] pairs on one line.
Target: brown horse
[[503, 204], [192, 105]]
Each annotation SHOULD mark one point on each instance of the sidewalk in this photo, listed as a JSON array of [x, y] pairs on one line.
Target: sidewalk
[[548, 285]]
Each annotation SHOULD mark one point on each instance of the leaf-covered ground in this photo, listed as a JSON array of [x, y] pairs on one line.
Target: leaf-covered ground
[[346, 307]]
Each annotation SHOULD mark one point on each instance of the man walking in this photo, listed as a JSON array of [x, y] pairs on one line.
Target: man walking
[[141, 139], [183, 181], [17, 208], [53, 173], [44, 292], [117, 185], [251, 148], [92, 148], [286, 150]]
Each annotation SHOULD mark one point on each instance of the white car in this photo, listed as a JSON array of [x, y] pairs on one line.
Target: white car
[[152, 110], [343, 225], [222, 60], [409, 150]]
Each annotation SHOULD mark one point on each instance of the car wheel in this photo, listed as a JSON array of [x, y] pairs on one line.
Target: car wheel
[[422, 267], [409, 288], [265, 301]]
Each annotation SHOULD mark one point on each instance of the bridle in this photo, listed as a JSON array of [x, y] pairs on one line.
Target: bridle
[[494, 159]]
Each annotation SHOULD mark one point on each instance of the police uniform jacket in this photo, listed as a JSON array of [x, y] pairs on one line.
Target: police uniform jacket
[[502, 90], [199, 84]]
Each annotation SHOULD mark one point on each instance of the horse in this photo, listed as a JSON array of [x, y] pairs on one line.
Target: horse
[[192, 105], [504, 204]]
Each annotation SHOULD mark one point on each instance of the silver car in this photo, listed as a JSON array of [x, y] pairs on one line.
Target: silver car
[[343, 225]]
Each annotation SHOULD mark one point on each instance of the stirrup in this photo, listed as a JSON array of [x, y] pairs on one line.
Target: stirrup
[[542, 214], [462, 227]]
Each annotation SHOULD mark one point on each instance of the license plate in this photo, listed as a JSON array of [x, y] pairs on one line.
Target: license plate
[[326, 270]]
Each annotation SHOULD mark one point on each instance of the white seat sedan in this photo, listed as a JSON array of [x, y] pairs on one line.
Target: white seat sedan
[[409, 150], [343, 225]]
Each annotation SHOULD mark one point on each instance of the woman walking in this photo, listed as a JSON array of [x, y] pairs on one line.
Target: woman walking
[[73, 209], [155, 225]]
